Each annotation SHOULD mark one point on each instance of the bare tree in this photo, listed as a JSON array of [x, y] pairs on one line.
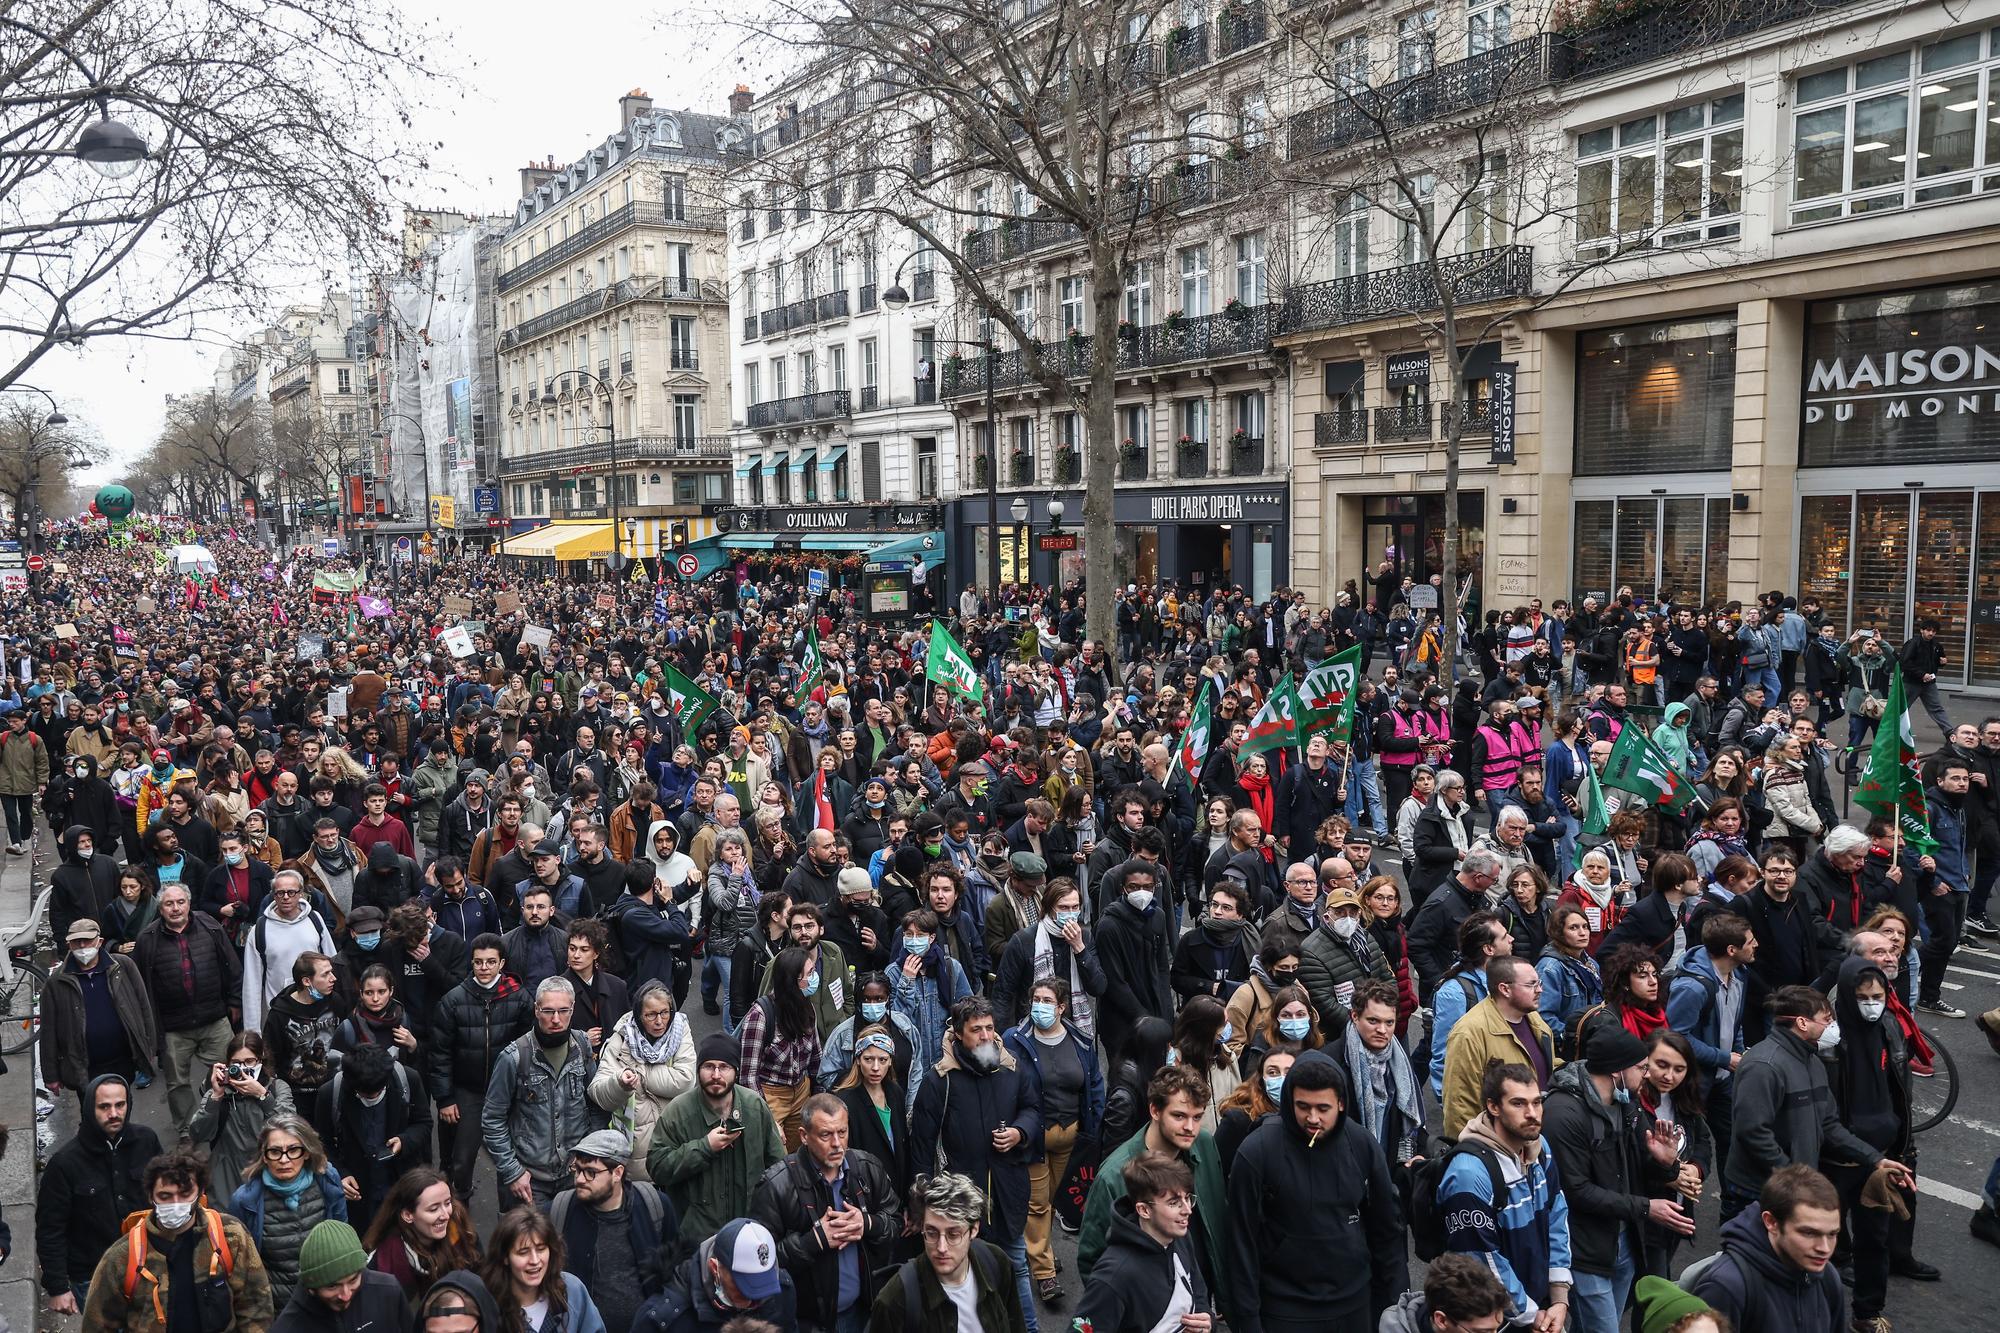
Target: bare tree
[[271, 129], [35, 454], [223, 452]]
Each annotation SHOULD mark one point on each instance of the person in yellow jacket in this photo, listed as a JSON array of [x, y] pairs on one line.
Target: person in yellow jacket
[[133, 1288], [154, 784], [1494, 1029]]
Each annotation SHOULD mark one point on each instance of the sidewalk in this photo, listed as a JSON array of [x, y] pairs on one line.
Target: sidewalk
[[19, 1290]]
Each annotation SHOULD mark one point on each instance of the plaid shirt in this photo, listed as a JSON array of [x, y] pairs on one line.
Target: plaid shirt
[[771, 1059]]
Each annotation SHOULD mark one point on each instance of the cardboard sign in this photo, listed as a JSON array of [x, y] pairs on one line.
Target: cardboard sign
[[457, 642], [336, 703], [536, 636], [143, 605], [65, 631], [61, 568], [458, 608], [607, 601], [507, 603], [310, 647]]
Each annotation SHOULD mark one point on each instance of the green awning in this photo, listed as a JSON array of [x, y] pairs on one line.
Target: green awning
[[748, 467], [802, 463], [924, 551], [829, 460], [772, 464]]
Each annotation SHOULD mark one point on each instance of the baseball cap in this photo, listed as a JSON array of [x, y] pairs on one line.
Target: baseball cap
[[751, 1256], [1343, 898], [83, 928], [547, 847]]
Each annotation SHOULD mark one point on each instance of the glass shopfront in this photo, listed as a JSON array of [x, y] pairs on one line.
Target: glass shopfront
[[1673, 547], [1655, 398], [1408, 532]]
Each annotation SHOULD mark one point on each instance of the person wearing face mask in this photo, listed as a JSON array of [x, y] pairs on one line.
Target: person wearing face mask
[[1869, 1077], [378, 1125], [925, 981], [858, 926], [1071, 1082], [84, 883], [1133, 947], [96, 1016], [80, 796], [874, 1010], [472, 1024], [195, 1267], [1339, 954]]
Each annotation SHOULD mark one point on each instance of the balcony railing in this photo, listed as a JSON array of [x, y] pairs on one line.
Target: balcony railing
[[1191, 459], [684, 358], [1481, 275], [1016, 237], [1238, 28], [832, 305], [638, 213], [1069, 467], [639, 449], [870, 397], [1478, 417], [1403, 422], [1246, 331], [1332, 428], [1186, 49], [827, 405], [750, 328], [1365, 114], [982, 470], [1133, 463], [868, 297], [623, 292], [1246, 456], [926, 393]]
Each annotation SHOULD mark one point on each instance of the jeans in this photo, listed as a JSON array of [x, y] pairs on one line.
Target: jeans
[[1364, 796], [1720, 1104], [1735, 1201], [1859, 729], [1945, 912], [189, 1055], [1017, 1255], [20, 817], [715, 986], [1928, 692], [1598, 1301], [1774, 696]]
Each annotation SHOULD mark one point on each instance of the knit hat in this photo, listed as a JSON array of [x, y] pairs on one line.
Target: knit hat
[[1610, 1049], [332, 1253], [1662, 1304], [719, 1046]]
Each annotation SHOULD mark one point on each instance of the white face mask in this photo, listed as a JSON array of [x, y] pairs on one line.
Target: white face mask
[[1829, 1040], [85, 957], [1345, 926], [173, 1216], [85, 853], [1872, 1010], [1142, 899]]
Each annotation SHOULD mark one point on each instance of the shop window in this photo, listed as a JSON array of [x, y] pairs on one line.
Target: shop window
[[1903, 128], [1673, 547], [1985, 655], [1670, 179], [1715, 570], [1943, 555], [1656, 398], [1882, 564], [1590, 570], [1636, 550]]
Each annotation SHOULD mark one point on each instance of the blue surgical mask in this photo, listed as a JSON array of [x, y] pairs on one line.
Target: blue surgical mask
[[234, 858], [874, 1011], [1274, 1086], [1228, 1031], [1043, 1013], [1064, 919], [368, 941], [918, 945], [810, 986], [316, 992], [1294, 1029]]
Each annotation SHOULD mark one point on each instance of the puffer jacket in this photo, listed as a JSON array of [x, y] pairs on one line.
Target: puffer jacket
[[430, 791], [1330, 967], [791, 1198], [659, 1083], [535, 1113], [471, 1027]]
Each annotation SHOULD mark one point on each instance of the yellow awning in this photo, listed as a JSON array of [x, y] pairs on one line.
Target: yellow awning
[[563, 541]]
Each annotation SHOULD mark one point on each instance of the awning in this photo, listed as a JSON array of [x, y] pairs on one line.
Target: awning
[[1477, 362], [748, 467], [924, 551], [802, 462], [772, 464], [1343, 377], [709, 555], [562, 541], [831, 458]]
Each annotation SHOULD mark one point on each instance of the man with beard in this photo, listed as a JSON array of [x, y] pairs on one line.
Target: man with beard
[[90, 1185], [288, 818], [816, 877], [603, 877], [475, 1021], [1522, 1233], [713, 1143], [337, 1290], [537, 1102], [496, 841]]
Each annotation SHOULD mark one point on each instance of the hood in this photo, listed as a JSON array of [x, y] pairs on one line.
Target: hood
[[1480, 1129], [1675, 713], [1575, 1078], [381, 857], [1744, 1237], [70, 836], [1126, 1231], [1854, 970], [87, 1129], [89, 762], [1308, 1060], [950, 1060], [652, 832], [469, 1282], [1408, 1315]]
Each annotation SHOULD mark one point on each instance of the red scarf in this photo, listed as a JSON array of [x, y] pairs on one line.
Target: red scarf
[[1643, 1023], [1257, 786], [1913, 1036], [822, 807]]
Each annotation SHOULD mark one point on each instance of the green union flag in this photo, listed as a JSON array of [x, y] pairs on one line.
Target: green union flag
[[1326, 697], [811, 664], [688, 703], [1889, 784], [946, 663], [1276, 724], [1638, 766]]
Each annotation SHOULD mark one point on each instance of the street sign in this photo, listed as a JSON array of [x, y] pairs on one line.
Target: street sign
[[330, 547], [689, 564], [816, 582], [37, 564], [404, 546], [1056, 541]]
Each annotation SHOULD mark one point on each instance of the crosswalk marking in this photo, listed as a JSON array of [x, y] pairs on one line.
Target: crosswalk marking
[[1952, 1194]]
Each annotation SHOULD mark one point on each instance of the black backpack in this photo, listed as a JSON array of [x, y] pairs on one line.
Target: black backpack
[[983, 1256], [1426, 1216]]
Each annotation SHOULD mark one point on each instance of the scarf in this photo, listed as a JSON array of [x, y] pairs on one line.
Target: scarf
[[1081, 1015], [1642, 1023], [1913, 1035], [290, 1193], [644, 1047], [1257, 786], [1400, 1083], [338, 860], [822, 804]]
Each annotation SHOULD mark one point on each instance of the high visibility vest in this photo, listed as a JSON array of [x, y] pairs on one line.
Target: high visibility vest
[[1503, 763], [1407, 728]]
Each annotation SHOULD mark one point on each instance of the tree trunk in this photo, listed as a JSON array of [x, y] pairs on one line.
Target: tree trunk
[[1100, 524]]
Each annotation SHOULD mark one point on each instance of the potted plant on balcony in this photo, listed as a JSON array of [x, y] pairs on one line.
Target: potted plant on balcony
[[1127, 329], [1236, 152], [1235, 309], [1077, 338], [1240, 441], [1130, 450], [1176, 321]]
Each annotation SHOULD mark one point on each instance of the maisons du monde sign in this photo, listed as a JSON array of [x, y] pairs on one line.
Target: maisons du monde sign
[[1917, 387]]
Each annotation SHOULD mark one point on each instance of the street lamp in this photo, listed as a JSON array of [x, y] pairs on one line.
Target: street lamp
[[548, 399], [56, 417], [424, 448], [113, 149]]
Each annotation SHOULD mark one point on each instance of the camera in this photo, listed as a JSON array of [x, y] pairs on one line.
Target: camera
[[238, 1071]]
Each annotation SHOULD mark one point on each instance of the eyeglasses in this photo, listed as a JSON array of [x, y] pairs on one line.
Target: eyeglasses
[[589, 1173], [946, 1235], [555, 1013], [282, 1153]]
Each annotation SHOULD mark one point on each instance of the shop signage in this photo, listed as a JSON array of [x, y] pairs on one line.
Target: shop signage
[[834, 518], [1056, 541], [1903, 379], [1203, 507], [1251, 504], [1407, 368], [1500, 405]]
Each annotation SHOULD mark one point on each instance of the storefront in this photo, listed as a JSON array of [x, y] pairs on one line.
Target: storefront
[[1899, 469], [1196, 535], [843, 540]]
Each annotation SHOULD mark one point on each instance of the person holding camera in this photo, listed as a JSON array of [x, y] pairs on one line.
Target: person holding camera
[[238, 1098]]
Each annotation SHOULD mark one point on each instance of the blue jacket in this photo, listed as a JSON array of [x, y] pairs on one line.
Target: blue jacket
[[1526, 1240], [1692, 1013], [649, 938], [1448, 1005], [569, 893], [919, 1001], [1565, 998], [248, 1202], [1028, 1054], [1948, 827], [469, 917]]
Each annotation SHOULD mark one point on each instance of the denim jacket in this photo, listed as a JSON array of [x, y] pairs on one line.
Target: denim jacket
[[534, 1113]]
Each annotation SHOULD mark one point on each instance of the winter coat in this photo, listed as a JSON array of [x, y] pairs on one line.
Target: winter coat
[[792, 1195], [248, 1285], [82, 888], [267, 970], [231, 1127], [958, 1108], [1133, 1282], [431, 789], [379, 1304], [217, 971], [280, 1232], [996, 1301], [1784, 1113], [24, 763], [1314, 1226], [1211, 1205], [654, 939], [1607, 1173], [1762, 1292], [1138, 960], [65, 1037], [659, 1084], [1434, 932], [534, 1113], [708, 1191], [89, 1186], [1434, 849], [470, 1028], [1330, 968]]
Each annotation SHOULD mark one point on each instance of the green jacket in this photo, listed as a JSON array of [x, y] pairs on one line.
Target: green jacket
[[711, 1191], [430, 790], [998, 1303], [1211, 1206]]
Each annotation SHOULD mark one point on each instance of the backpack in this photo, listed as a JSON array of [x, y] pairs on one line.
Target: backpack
[[221, 1258], [262, 934], [648, 1195], [913, 1304], [1710, 986], [1426, 1216]]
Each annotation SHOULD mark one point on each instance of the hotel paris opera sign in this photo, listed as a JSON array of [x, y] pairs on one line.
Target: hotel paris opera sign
[[1916, 386]]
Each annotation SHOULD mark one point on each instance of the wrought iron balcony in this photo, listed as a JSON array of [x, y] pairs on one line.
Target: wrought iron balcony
[[1368, 113], [1403, 422], [638, 213], [1480, 275], [750, 328], [684, 358], [870, 397], [1333, 428], [1021, 469], [1134, 462], [1246, 456], [1478, 417], [1191, 459], [1238, 28], [832, 305], [1016, 237], [639, 450], [868, 297], [1069, 467], [826, 405], [1186, 49], [926, 393], [623, 292]]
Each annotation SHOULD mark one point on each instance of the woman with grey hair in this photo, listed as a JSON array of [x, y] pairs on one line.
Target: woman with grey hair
[[288, 1189]]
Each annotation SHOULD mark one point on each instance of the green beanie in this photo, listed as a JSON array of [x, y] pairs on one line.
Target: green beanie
[[1661, 1303], [332, 1253]]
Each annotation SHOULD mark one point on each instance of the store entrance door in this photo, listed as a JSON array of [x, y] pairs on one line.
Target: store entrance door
[[1397, 538]]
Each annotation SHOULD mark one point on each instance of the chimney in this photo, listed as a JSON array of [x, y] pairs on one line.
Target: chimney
[[535, 175], [631, 106], [740, 100]]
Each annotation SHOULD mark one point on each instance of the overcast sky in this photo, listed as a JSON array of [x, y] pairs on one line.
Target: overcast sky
[[539, 81]]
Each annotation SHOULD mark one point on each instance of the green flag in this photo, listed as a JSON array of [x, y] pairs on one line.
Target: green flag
[[1276, 724], [811, 664], [1326, 697], [1889, 784], [1638, 766], [687, 703], [1192, 751], [1593, 809], [946, 663]]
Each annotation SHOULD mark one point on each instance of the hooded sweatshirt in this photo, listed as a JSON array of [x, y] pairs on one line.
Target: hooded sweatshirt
[[1315, 1226], [81, 888], [1763, 1292], [1525, 1239], [1138, 1283]]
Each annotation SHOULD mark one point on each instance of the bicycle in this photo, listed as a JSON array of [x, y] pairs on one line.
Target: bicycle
[[22, 980], [1932, 1099]]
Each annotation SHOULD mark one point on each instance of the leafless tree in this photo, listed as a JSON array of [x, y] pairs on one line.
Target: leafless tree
[[36, 455]]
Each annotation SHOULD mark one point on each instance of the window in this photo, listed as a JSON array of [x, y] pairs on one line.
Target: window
[[1253, 286], [1069, 432], [1136, 427], [836, 366], [1853, 128], [870, 367], [1021, 300], [1350, 63], [1194, 420], [1070, 303], [774, 284], [1414, 237], [808, 373], [520, 493], [1656, 398], [871, 470], [777, 377], [1488, 218], [539, 497], [680, 333], [837, 268], [1195, 134], [586, 493], [343, 380], [1350, 236], [346, 423], [1021, 431], [687, 416], [1136, 157], [673, 194], [1673, 179], [927, 468], [750, 395], [1416, 43], [1250, 409], [1253, 120], [686, 489], [982, 203], [1139, 293], [1194, 281], [868, 261], [1488, 24]]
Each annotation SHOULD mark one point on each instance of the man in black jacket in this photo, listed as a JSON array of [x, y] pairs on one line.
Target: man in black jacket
[[603, 878], [1923, 660], [836, 1216], [1434, 932], [90, 1185], [1311, 1180], [1149, 1267], [612, 1228], [1308, 794], [194, 976], [474, 1023], [1134, 950], [337, 1290], [376, 1123]]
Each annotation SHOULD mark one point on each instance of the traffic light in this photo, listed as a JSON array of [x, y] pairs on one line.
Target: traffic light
[[678, 533]]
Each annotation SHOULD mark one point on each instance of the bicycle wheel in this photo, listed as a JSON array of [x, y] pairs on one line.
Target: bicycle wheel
[[1931, 1099], [21, 1006]]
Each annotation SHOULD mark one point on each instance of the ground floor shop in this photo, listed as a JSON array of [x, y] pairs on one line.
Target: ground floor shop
[[1198, 536]]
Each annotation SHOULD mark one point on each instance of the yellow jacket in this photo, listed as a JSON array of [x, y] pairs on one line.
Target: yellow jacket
[[1482, 1036]]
